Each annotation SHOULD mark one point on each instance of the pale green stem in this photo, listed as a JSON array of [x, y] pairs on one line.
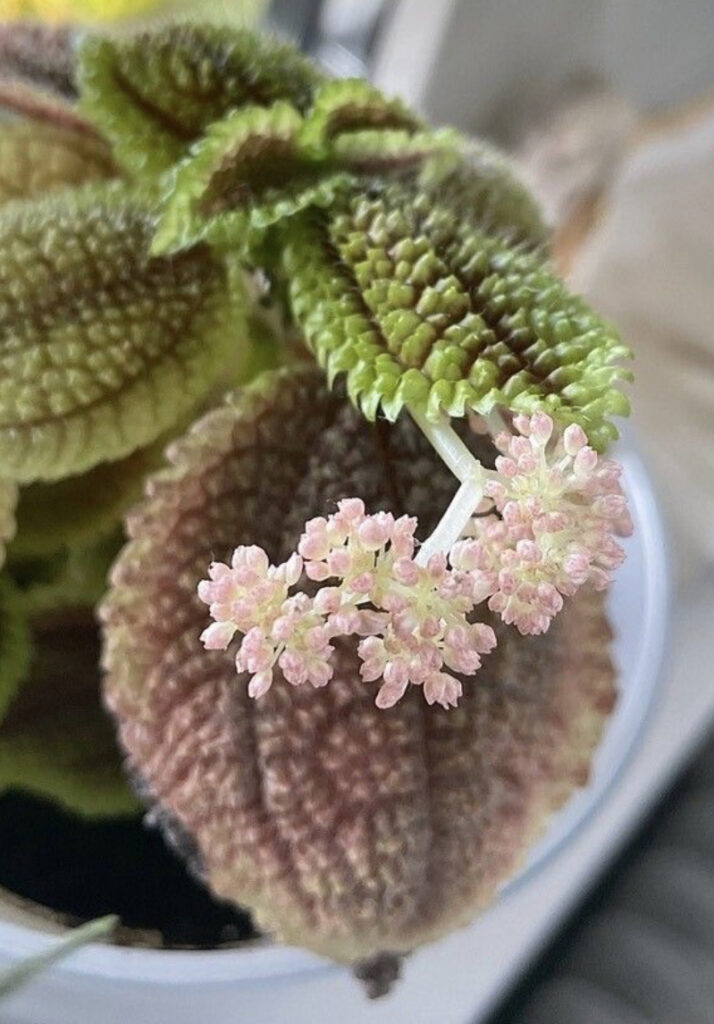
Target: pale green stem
[[16, 977], [466, 468]]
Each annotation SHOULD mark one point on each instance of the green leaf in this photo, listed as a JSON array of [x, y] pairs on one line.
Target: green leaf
[[416, 302], [153, 95], [344, 106], [247, 173], [14, 642], [37, 158], [73, 577], [102, 348], [56, 739], [17, 977]]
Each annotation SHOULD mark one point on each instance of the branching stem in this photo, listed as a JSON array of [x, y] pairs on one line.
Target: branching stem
[[466, 468]]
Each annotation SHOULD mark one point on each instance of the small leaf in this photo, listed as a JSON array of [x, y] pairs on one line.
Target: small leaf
[[74, 577], [14, 642], [25, 972], [344, 828], [345, 106], [416, 302], [37, 158], [55, 739], [102, 348], [153, 95], [247, 173]]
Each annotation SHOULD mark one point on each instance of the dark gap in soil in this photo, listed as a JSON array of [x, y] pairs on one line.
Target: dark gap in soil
[[81, 869]]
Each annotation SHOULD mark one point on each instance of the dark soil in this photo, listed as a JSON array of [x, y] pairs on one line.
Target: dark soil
[[81, 869]]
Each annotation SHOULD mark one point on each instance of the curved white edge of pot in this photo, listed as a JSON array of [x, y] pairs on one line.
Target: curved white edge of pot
[[639, 603]]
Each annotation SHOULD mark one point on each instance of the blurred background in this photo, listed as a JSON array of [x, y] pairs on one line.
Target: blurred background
[[608, 108]]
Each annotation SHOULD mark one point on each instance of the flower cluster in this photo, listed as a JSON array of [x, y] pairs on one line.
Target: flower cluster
[[413, 619], [546, 525], [556, 509]]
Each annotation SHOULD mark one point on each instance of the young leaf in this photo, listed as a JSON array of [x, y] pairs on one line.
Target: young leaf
[[37, 158], [17, 977], [55, 738], [154, 94], [103, 348], [417, 303], [372, 854], [344, 106], [14, 642], [248, 172]]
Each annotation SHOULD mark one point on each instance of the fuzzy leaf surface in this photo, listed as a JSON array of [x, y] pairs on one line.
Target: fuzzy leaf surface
[[55, 739], [102, 348], [417, 302], [154, 94], [341, 826]]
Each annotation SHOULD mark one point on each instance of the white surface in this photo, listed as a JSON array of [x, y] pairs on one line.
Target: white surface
[[458, 978]]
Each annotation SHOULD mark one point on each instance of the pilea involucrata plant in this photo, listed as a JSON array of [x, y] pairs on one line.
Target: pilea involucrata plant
[[355, 644]]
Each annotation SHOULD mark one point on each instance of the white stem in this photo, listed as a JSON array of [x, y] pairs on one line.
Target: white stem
[[466, 468], [454, 521], [447, 443]]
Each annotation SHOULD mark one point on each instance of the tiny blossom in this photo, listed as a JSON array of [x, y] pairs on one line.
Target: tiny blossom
[[413, 618], [560, 508]]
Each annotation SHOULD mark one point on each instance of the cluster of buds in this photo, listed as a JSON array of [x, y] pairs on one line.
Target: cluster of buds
[[546, 526], [555, 509]]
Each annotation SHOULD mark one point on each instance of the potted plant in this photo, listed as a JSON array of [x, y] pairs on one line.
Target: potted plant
[[294, 365]]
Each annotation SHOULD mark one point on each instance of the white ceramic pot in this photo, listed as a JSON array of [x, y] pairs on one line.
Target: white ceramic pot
[[268, 984]]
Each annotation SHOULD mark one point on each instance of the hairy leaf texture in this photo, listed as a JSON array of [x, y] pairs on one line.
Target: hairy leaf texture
[[103, 348], [41, 55], [344, 828], [416, 302], [249, 171], [37, 158], [154, 94], [55, 738], [14, 642]]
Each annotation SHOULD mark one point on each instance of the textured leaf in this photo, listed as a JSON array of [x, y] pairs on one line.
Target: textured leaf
[[416, 303], [344, 828], [155, 94], [41, 55], [248, 172], [344, 106], [55, 739], [38, 158], [14, 643], [102, 348]]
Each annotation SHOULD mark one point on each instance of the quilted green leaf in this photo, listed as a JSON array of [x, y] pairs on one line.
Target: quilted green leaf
[[37, 158], [248, 172], [55, 738], [14, 642], [102, 347], [417, 304], [154, 94], [347, 105]]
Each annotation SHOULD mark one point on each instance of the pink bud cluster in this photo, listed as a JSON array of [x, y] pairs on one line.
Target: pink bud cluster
[[556, 509], [547, 525], [413, 619]]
